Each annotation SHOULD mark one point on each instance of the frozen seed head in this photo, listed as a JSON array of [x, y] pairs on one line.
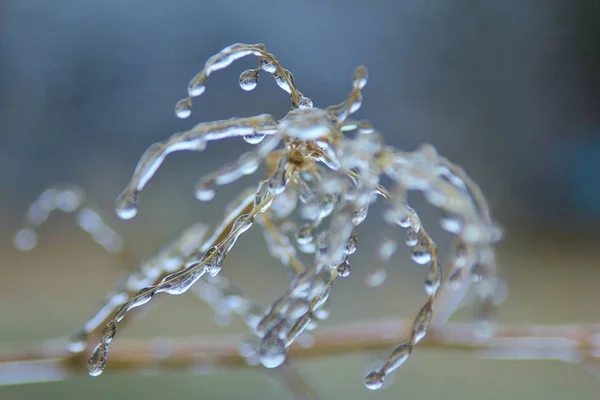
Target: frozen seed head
[[335, 175]]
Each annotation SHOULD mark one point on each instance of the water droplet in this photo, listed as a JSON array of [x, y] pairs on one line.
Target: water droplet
[[374, 380], [255, 138], [25, 239], [183, 108], [126, 205], [249, 79]]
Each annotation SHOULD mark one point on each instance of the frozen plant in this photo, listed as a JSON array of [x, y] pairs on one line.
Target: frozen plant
[[323, 168]]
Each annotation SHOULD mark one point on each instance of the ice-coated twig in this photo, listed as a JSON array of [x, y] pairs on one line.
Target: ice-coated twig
[[50, 361], [248, 79], [71, 200], [178, 282], [328, 168], [192, 140]]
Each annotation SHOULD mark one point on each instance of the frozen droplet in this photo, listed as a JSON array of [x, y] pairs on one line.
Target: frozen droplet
[[360, 77], [267, 65], [272, 351], [69, 200], [37, 214], [321, 314], [196, 86], [254, 138], [421, 256], [374, 380], [141, 299], [355, 104], [89, 220], [262, 194], [297, 308], [433, 280], [344, 269], [306, 340], [451, 224], [412, 238], [387, 248], [183, 108], [351, 245], [249, 79], [126, 205], [421, 323], [205, 193], [305, 102], [365, 127], [282, 82], [25, 239], [376, 278], [77, 341], [97, 360], [248, 163]]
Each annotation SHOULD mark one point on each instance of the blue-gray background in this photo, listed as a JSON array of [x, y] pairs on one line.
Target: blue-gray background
[[507, 89]]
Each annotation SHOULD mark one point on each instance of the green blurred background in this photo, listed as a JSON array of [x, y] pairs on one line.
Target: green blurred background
[[509, 90]]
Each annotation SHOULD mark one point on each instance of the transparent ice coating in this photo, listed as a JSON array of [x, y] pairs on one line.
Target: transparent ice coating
[[323, 174]]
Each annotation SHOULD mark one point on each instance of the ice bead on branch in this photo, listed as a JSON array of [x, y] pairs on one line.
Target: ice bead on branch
[[323, 168]]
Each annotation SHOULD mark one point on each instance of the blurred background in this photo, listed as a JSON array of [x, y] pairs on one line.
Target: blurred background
[[507, 89]]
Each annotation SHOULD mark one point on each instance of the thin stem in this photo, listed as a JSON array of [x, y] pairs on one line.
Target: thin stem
[[51, 361]]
